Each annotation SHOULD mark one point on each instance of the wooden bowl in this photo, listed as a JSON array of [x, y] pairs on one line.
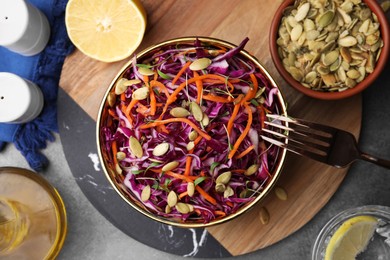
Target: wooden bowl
[[366, 82]]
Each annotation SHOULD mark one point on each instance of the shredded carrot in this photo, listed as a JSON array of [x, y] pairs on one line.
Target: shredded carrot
[[261, 115], [232, 118], [183, 194], [152, 102], [123, 96], [192, 80], [162, 129], [188, 165], [181, 71], [229, 203], [112, 113], [238, 170], [245, 152], [219, 99], [160, 86], [252, 92], [205, 195], [141, 109], [114, 148], [220, 213], [244, 133], [180, 176], [128, 110], [199, 88], [173, 120]]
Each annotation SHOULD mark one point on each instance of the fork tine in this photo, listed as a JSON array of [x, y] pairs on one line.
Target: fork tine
[[302, 142], [304, 130], [295, 149], [306, 124]]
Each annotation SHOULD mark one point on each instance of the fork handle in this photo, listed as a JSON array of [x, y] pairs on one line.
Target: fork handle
[[378, 161]]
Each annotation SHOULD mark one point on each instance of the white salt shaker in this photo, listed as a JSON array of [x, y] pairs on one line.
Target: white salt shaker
[[20, 100], [24, 29]]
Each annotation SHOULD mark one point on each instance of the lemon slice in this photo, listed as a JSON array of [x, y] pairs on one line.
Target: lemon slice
[[351, 238], [106, 30]]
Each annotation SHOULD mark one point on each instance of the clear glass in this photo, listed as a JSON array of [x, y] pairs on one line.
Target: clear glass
[[32, 216], [14, 225], [379, 246]]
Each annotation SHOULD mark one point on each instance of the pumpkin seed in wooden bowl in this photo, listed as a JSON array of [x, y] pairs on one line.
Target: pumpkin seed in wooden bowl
[[330, 49]]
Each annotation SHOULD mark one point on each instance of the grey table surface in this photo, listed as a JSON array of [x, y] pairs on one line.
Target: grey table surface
[[91, 236]]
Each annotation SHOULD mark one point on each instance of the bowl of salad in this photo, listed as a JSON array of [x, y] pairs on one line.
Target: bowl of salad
[[178, 132]]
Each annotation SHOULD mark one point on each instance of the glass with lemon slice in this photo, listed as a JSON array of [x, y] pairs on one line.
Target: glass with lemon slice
[[357, 233]]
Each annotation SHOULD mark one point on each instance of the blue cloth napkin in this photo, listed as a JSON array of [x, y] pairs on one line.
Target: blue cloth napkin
[[44, 69]]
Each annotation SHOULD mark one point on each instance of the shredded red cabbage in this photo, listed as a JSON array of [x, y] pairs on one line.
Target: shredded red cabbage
[[210, 156]]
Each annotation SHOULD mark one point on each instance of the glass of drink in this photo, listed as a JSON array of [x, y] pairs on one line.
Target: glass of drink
[[32, 216]]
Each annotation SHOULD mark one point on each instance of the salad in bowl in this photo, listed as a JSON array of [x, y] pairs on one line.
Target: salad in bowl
[[179, 129]]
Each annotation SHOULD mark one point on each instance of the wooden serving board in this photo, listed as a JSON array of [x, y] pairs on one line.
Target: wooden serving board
[[309, 184]]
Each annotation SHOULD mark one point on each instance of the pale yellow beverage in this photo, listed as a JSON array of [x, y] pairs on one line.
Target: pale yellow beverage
[[14, 225], [32, 216]]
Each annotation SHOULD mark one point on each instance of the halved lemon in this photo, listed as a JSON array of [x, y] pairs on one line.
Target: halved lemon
[[106, 30], [351, 238]]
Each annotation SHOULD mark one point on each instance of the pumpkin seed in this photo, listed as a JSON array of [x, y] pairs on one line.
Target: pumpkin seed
[[228, 192], [168, 209], [252, 169], [362, 71], [329, 80], [326, 18], [200, 64], [172, 199], [179, 112], [120, 156], [118, 168], [347, 41], [353, 74], [281, 193], [345, 54], [308, 25], [312, 35], [145, 194], [220, 187], [302, 12], [296, 32], [190, 189], [385, 6], [190, 146], [322, 70], [135, 147], [120, 87], [224, 178], [182, 208], [373, 38], [335, 65], [330, 57], [145, 71], [170, 166], [346, 18], [111, 99], [296, 73], [341, 74], [141, 93], [264, 216], [161, 149], [205, 120], [310, 77], [350, 83], [196, 111], [193, 135], [370, 63]]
